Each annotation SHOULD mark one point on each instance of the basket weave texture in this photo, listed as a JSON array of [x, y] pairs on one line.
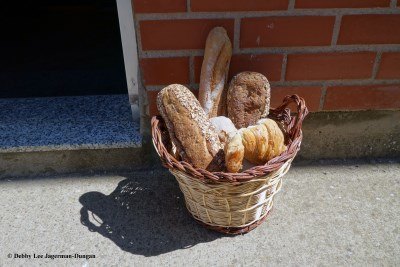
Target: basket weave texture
[[234, 203]]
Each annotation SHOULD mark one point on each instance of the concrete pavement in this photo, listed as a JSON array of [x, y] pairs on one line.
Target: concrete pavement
[[346, 213]]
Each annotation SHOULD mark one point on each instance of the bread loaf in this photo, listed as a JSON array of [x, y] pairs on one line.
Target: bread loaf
[[214, 72], [224, 127], [248, 98], [196, 140], [234, 153]]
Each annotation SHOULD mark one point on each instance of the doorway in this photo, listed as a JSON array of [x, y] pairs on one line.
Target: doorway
[[60, 48]]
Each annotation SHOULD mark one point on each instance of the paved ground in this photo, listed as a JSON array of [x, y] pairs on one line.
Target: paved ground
[[340, 214]]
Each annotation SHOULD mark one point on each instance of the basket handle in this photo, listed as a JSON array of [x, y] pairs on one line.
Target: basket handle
[[297, 120]]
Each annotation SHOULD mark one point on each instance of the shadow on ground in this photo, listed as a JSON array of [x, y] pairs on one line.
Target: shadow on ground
[[145, 215]]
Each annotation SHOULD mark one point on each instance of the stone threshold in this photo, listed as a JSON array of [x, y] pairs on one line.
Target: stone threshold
[[64, 123], [67, 134]]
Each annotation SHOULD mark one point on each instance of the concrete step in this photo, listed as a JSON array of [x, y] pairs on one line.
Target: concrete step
[[67, 134], [342, 214]]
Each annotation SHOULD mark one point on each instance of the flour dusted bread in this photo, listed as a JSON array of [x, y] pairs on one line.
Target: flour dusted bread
[[191, 131], [214, 72], [248, 98], [224, 127]]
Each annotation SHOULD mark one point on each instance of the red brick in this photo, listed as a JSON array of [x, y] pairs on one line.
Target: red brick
[[286, 31], [362, 97], [269, 65], [390, 66], [330, 66], [159, 6], [152, 99], [180, 34], [341, 3], [370, 29], [311, 95], [238, 5], [162, 71]]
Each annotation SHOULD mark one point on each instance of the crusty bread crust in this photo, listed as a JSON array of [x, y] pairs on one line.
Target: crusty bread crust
[[248, 98], [189, 128], [214, 72]]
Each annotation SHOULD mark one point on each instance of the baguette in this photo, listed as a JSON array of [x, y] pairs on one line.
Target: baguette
[[214, 72]]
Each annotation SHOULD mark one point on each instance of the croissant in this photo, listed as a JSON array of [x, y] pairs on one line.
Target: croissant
[[234, 153], [255, 142], [276, 141]]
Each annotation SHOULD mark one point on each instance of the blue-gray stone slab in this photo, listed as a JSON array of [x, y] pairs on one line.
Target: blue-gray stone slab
[[74, 122]]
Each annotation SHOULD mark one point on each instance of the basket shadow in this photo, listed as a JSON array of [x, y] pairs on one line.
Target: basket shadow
[[144, 215]]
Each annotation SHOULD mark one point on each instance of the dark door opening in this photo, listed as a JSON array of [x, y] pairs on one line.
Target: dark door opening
[[60, 48]]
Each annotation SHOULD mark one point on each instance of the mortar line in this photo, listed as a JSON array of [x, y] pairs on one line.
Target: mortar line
[[328, 83], [171, 53], [194, 86], [282, 13], [191, 70], [336, 30], [322, 99], [188, 6], [276, 50], [143, 99], [320, 49], [236, 36], [155, 87], [377, 64], [283, 69], [138, 36], [292, 4], [393, 3], [357, 82]]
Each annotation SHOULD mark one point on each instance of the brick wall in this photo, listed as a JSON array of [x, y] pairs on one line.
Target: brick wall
[[337, 54]]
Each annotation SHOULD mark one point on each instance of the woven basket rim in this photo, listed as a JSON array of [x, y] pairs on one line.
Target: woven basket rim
[[281, 113]]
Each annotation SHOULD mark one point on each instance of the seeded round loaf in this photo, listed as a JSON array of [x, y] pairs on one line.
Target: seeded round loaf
[[191, 131]]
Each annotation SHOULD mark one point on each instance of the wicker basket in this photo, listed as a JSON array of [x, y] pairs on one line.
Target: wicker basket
[[234, 203]]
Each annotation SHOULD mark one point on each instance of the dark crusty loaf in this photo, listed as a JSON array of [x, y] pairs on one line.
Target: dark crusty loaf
[[248, 98], [214, 72], [190, 129]]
